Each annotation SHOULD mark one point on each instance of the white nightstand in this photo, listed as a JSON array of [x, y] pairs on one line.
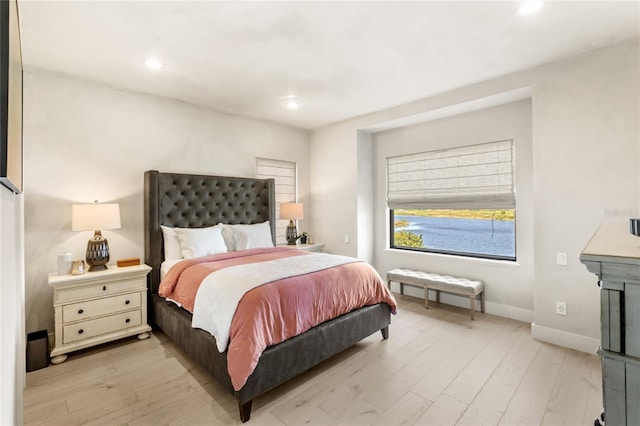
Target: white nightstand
[[308, 247], [312, 247], [98, 307]]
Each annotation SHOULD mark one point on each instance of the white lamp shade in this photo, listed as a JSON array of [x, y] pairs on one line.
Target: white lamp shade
[[95, 217], [291, 211]]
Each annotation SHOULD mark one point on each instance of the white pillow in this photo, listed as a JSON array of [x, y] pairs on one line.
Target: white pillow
[[227, 234], [171, 244], [198, 242], [252, 236]]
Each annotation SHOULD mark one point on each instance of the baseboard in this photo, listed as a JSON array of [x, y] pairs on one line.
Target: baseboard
[[564, 338], [506, 311]]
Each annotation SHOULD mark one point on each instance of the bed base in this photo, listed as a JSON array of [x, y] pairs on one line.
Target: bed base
[[299, 353]]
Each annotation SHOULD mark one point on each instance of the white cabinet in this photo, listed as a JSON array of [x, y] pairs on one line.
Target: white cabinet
[[98, 307]]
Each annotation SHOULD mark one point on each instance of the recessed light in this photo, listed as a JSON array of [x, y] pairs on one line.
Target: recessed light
[[292, 102], [529, 7], [153, 63]]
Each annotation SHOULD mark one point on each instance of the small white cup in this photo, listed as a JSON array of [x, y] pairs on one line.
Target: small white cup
[[65, 261]]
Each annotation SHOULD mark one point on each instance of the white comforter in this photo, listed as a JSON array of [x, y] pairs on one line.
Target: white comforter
[[221, 291]]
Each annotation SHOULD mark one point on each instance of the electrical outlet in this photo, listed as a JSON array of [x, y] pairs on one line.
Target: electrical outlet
[[561, 259], [561, 308], [346, 238]]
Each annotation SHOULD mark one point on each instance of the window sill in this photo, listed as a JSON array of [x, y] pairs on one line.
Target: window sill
[[458, 259]]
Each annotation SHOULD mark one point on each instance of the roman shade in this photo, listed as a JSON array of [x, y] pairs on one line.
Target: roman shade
[[470, 177]]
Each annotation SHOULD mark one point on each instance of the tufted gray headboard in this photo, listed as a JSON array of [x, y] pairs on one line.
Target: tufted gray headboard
[[198, 201]]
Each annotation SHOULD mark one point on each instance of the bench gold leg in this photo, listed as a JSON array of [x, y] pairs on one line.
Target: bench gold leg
[[473, 306], [438, 296], [482, 302], [426, 297]]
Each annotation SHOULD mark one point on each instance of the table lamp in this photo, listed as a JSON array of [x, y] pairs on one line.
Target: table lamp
[[291, 211], [96, 217]]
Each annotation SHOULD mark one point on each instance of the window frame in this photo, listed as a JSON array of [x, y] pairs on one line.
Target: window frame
[[452, 252], [486, 256], [281, 224]]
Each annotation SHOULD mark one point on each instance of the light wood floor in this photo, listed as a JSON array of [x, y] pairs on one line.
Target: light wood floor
[[437, 368]]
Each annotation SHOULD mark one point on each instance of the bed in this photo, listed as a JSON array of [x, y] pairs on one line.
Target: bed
[[198, 201]]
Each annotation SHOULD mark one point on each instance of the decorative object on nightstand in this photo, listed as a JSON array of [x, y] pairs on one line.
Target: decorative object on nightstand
[[100, 307], [96, 217], [65, 262], [291, 211], [129, 261], [77, 267]]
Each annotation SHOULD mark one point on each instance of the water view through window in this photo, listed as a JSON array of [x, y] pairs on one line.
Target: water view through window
[[480, 233]]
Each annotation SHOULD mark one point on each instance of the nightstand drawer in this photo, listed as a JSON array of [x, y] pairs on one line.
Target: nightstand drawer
[[98, 289], [97, 307], [86, 329]]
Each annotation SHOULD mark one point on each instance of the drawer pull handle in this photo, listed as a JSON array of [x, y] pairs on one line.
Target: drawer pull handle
[[127, 321], [104, 288], [80, 311], [126, 302], [80, 331]]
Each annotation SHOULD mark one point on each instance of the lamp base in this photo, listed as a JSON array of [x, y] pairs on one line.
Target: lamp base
[[97, 252], [292, 233], [94, 268]]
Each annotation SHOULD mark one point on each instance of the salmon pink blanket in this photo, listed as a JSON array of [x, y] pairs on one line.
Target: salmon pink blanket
[[274, 312]]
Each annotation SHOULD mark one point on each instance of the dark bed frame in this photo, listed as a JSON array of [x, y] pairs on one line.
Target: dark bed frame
[[196, 201]]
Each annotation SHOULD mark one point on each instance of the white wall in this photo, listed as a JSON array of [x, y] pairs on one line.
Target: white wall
[[366, 190], [586, 120], [585, 165], [86, 141], [12, 333], [333, 177], [509, 285]]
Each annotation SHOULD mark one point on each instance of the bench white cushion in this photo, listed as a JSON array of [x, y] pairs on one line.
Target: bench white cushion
[[420, 278]]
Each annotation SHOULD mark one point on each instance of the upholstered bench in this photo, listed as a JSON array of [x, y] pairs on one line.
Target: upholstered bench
[[448, 284]]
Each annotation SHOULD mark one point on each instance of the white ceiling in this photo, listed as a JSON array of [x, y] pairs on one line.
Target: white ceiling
[[342, 59]]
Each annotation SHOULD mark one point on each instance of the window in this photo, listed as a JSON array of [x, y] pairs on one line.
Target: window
[[456, 201], [284, 174]]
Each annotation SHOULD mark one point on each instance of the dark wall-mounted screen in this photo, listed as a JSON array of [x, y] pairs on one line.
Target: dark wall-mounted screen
[[10, 97]]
